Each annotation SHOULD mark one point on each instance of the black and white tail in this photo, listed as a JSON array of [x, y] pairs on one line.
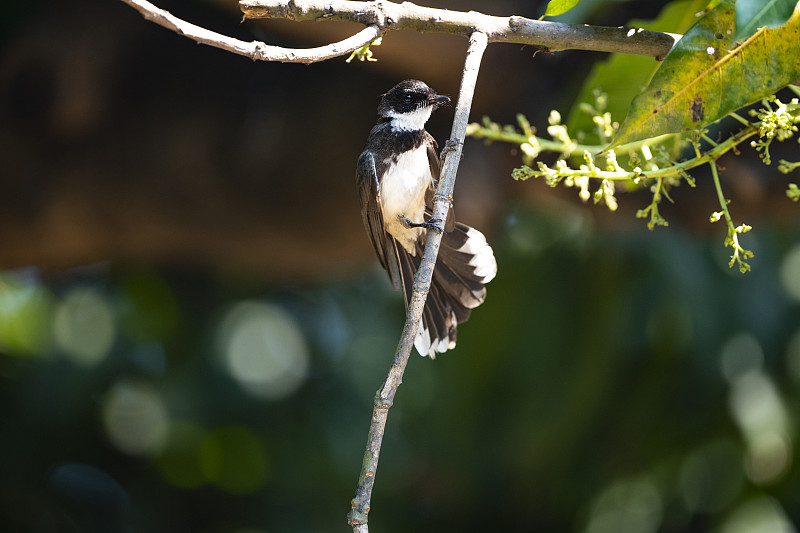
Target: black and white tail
[[465, 264]]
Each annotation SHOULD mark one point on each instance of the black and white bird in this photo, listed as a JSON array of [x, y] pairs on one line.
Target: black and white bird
[[396, 177]]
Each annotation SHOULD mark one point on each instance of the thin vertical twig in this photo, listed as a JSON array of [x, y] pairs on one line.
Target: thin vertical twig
[[360, 504]]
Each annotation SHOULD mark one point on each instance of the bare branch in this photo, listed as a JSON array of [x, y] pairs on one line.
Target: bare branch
[[255, 50], [380, 16], [422, 284], [552, 36]]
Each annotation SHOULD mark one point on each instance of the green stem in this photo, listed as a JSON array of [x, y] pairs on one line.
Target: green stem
[[549, 145], [732, 238], [717, 150], [740, 118], [707, 139], [723, 203], [712, 155]]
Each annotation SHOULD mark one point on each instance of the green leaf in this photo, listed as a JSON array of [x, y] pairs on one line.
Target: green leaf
[[558, 7], [623, 76], [705, 76], [754, 14]]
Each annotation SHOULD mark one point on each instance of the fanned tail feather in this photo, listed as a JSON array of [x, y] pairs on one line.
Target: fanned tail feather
[[465, 264]]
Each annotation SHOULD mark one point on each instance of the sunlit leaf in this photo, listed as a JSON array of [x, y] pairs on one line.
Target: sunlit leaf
[[754, 14], [623, 76], [558, 7], [705, 77]]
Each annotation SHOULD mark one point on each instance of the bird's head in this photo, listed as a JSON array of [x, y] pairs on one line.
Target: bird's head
[[409, 104]]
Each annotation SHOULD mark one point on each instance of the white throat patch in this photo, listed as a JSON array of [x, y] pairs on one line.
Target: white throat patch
[[412, 121]]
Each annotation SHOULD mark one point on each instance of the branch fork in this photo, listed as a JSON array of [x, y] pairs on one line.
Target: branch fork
[[380, 16]]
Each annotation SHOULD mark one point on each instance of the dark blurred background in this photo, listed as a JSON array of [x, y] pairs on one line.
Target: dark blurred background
[[193, 325]]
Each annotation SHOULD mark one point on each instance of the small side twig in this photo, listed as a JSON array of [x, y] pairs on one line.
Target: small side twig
[[360, 504], [255, 50]]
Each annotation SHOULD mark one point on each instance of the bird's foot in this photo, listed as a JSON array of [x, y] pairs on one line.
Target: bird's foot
[[434, 224]]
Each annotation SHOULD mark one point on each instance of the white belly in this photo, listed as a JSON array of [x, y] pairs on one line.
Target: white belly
[[403, 194]]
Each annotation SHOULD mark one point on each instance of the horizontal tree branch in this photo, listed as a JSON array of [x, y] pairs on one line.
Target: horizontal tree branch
[[550, 36], [255, 50]]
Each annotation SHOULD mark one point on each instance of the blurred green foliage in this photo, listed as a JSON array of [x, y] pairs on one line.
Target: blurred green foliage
[[613, 381]]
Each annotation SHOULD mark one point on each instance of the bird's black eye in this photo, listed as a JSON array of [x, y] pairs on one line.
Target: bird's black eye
[[408, 97]]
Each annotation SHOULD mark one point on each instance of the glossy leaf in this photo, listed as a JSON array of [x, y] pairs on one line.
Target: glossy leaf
[[754, 14], [706, 77], [558, 7], [623, 76]]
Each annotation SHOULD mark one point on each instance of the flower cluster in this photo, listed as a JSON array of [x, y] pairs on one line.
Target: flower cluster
[[649, 163]]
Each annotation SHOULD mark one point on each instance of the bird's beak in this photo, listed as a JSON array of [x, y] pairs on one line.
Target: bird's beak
[[438, 100]]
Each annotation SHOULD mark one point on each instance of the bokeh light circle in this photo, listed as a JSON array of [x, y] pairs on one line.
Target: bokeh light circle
[[790, 273], [135, 418], [83, 326], [263, 349]]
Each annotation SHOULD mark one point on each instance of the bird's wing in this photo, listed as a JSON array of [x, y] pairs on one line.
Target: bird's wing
[[372, 215]]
